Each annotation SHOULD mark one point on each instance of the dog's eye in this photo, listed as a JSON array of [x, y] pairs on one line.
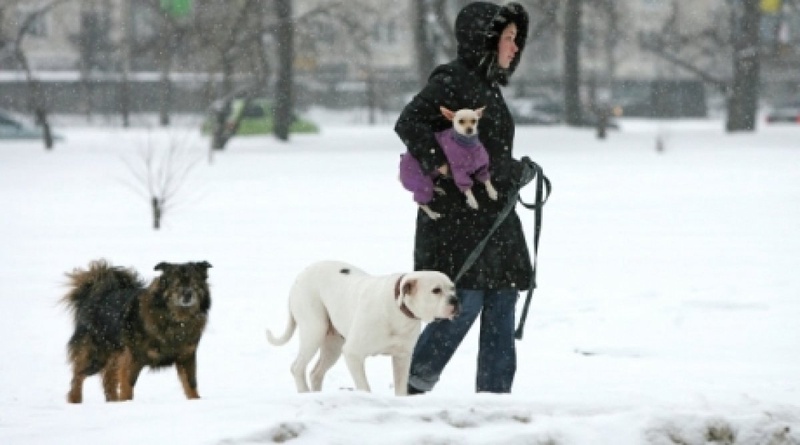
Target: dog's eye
[[461, 121], [437, 290]]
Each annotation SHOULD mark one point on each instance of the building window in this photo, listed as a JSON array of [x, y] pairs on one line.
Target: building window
[[385, 32]]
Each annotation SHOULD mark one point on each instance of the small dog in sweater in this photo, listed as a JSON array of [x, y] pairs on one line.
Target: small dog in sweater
[[466, 157]]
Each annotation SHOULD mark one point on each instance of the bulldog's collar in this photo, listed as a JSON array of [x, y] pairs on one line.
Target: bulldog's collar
[[403, 306]]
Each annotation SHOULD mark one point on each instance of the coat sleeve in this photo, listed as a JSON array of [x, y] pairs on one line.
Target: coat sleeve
[[421, 118]]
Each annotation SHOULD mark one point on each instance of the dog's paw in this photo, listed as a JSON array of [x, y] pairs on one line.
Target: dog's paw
[[431, 214], [472, 202], [490, 190]]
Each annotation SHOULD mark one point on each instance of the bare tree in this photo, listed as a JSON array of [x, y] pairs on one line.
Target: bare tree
[[603, 35], [284, 87], [738, 39], [160, 45], [232, 37], [6, 40], [348, 27], [126, 54], [172, 29], [423, 48], [572, 78], [743, 102], [37, 100], [160, 175], [259, 58], [444, 30], [220, 110], [433, 35], [173, 35], [224, 129], [165, 54], [225, 32], [258, 31], [94, 47]]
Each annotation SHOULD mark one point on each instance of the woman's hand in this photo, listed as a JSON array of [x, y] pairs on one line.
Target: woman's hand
[[443, 170]]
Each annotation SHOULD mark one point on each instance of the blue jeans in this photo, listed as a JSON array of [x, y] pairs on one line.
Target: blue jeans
[[497, 355]]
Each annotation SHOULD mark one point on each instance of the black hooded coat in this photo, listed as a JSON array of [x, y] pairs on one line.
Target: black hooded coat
[[472, 80]]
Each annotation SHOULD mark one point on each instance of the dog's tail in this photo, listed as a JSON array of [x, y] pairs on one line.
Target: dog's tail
[[99, 279], [287, 334]]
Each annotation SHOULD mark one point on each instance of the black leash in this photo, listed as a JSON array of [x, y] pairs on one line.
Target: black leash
[[537, 206], [533, 172]]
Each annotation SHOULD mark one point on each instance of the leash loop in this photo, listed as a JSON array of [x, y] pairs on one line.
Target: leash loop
[[531, 171]]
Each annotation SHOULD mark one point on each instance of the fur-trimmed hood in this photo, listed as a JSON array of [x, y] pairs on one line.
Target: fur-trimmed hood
[[478, 28]]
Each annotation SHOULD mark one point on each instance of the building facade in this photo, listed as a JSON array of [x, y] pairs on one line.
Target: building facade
[[372, 41]]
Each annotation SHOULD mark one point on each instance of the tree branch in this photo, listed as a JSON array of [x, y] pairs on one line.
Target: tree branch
[[659, 51]]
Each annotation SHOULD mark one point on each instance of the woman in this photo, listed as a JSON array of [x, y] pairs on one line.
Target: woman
[[490, 42]]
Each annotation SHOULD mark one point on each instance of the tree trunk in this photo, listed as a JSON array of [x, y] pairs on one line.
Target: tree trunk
[[223, 129], [165, 97], [88, 104], [220, 131], [371, 96], [426, 57], [36, 99], [35, 95], [572, 37], [611, 41], [165, 85], [125, 100], [743, 102], [47, 134], [157, 212], [444, 27], [125, 43], [284, 94]]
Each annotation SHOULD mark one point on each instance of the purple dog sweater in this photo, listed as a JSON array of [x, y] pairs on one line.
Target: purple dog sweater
[[466, 157]]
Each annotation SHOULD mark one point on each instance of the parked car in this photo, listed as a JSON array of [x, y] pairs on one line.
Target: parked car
[[258, 119], [15, 127], [548, 112], [785, 113], [527, 112]]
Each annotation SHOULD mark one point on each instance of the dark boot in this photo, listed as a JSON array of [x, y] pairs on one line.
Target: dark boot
[[412, 391]]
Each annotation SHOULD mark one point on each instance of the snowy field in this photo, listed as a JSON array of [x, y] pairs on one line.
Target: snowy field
[[668, 307]]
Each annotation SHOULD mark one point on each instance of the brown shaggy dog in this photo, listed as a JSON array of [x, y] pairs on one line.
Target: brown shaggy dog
[[121, 325]]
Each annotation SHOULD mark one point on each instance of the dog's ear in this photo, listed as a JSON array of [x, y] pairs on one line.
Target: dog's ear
[[409, 287], [449, 115], [479, 112], [162, 266], [202, 267]]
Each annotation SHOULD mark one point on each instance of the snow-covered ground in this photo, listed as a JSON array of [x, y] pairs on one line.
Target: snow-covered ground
[[667, 311]]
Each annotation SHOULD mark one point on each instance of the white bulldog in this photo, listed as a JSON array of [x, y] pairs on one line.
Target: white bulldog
[[342, 309]]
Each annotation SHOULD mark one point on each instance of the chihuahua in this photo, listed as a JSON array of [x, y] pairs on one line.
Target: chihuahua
[[466, 157]]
